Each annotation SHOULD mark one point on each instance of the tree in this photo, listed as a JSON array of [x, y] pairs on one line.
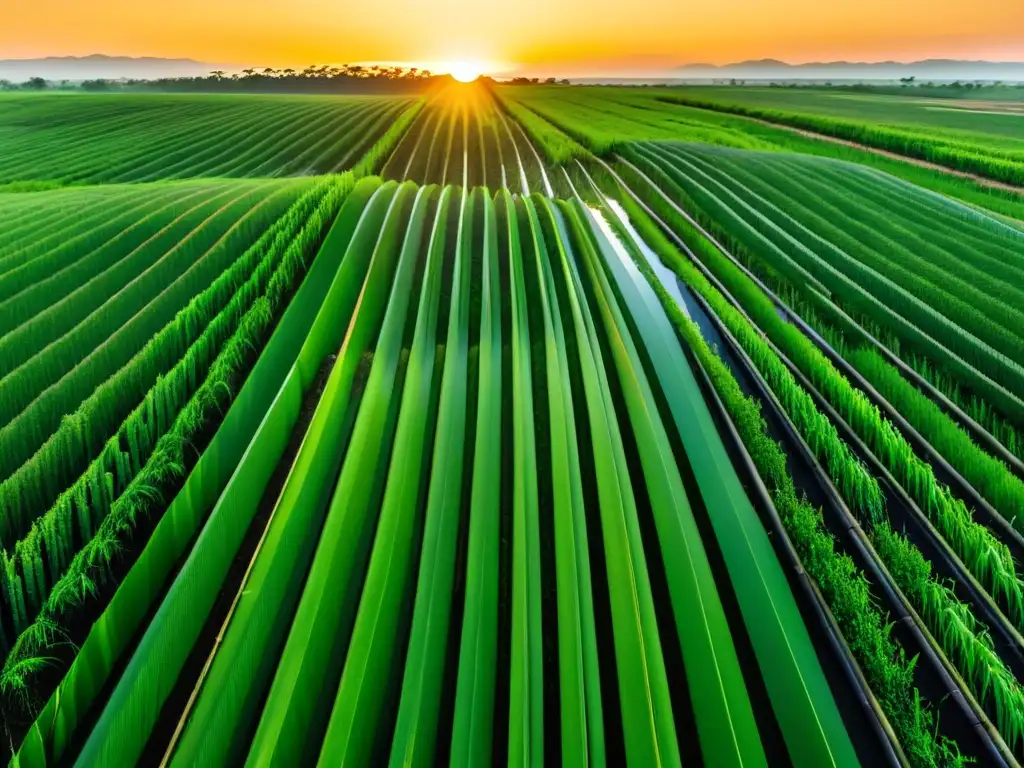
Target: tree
[[218, 74], [35, 84], [248, 72]]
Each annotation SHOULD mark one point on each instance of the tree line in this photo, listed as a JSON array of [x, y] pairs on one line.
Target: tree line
[[347, 78]]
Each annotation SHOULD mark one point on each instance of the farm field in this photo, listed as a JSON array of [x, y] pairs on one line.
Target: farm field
[[604, 117], [979, 138], [522, 425], [93, 139]]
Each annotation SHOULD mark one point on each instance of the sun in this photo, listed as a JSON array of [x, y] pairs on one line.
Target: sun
[[465, 71]]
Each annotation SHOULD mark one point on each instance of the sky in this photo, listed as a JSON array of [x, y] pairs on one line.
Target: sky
[[565, 37]]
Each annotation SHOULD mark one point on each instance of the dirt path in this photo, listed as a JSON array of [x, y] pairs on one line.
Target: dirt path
[[981, 180]]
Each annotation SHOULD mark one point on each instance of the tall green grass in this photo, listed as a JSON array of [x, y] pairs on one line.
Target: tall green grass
[[792, 675], [473, 720], [227, 482], [960, 156], [865, 626], [35, 567], [988, 559], [961, 637]]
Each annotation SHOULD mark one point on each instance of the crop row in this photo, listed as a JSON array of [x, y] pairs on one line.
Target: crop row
[[602, 119], [987, 558], [55, 360], [99, 481], [464, 136], [952, 623], [859, 276], [972, 156], [866, 625], [108, 139], [510, 489]]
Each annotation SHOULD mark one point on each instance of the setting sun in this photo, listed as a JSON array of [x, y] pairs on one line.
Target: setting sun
[[465, 71]]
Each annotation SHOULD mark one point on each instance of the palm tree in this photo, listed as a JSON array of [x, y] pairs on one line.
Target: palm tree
[[217, 74], [248, 72]]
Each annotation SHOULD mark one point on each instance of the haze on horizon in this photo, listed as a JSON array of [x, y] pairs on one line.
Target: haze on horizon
[[572, 37]]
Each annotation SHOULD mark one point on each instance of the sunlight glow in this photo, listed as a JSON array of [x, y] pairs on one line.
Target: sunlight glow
[[465, 71]]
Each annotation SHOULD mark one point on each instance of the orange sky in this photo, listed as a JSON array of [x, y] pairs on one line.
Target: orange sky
[[565, 36]]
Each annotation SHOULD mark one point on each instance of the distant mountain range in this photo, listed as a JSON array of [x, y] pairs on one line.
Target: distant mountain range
[[929, 69], [101, 67]]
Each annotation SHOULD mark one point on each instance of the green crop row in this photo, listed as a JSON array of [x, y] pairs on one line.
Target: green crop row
[[961, 156], [603, 118], [866, 628], [53, 440], [961, 637], [991, 478], [110, 139], [988, 559], [558, 147], [949, 280], [36, 263], [463, 136], [226, 482], [808, 259], [68, 552], [339, 645]]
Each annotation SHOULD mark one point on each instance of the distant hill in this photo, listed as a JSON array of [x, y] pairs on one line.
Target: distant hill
[[101, 67], [929, 69]]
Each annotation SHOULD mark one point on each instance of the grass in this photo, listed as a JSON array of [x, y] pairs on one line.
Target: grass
[[789, 666], [416, 728], [112, 138], [264, 296], [988, 559], [961, 637], [965, 140], [41, 549], [865, 626], [511, 531], [605, 118]]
